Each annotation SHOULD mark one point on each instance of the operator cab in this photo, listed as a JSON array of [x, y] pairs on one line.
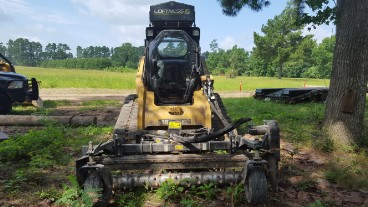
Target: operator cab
[[172, 69]]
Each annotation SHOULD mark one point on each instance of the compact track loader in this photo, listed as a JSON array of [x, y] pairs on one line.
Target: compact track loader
[[176, 127]]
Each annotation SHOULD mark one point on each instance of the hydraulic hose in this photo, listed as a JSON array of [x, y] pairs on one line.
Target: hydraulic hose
[[209, 137]]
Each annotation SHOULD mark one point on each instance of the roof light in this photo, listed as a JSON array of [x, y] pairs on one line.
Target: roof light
[[195, 32], [149, 32]]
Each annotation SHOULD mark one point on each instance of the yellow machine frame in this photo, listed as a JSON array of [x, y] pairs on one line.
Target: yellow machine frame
[[151, 116]]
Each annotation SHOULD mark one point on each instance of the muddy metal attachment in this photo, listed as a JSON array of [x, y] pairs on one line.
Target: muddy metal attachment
[[114, 165]]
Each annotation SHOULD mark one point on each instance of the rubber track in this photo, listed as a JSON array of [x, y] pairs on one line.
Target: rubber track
[[126, 125]]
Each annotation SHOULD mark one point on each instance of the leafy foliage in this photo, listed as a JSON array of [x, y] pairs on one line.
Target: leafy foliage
[[93, 52], [280, 50], [27, 53], [322, 56], [57, 51], [41, 148], [80, 63], [188, 201], [323, 11], [131, 199], [233, 7], [16, 181], [169, 190], [236, 193], [208, 190], [74, 196], [50, 194], [27, 159], [302, 57], [232, 61], [126, 55], [281, 39], [24, 52]]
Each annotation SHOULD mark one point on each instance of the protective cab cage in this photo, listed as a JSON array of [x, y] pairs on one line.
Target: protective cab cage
[[174, 68]]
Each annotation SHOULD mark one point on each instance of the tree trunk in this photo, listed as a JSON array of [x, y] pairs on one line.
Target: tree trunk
[[28, 120], [345, 106], [279, 71]]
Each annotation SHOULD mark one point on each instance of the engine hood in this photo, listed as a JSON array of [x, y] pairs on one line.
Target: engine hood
[[11, 76]]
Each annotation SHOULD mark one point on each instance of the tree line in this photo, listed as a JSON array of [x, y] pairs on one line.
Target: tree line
[[28, 53], [280, 51], [97, 57]]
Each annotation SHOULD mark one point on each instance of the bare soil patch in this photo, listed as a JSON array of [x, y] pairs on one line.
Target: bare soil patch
[[82, 94]]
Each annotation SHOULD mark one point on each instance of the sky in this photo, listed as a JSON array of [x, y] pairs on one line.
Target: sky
[[113, 22]]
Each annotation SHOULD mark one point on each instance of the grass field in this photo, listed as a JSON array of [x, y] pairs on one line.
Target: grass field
[[68, 78]]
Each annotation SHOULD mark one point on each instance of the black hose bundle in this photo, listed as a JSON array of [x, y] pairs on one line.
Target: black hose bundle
[[209, 137]]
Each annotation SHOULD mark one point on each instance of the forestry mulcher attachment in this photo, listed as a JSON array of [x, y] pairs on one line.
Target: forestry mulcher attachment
[[176, 127]]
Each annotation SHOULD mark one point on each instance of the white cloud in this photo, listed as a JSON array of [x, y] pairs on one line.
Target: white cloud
[[117, 12], [130, 33], [20, 8], [31, 38], [320, 32], [126, 19], [227, 43], [246, 38]]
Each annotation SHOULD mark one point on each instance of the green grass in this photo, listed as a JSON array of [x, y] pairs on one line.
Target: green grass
[[251, 83], [297, 123], [68, 78], [300, 124]]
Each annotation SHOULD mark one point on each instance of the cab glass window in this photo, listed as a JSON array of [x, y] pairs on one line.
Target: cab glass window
[[172, 47]]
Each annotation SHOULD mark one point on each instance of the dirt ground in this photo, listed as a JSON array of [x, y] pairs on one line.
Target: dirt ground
[[108, 94], [301, 180], [105, 116]]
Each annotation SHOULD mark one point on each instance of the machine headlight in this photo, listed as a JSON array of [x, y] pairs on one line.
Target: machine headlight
[[149, 32], [15, 84], [195, 32]]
